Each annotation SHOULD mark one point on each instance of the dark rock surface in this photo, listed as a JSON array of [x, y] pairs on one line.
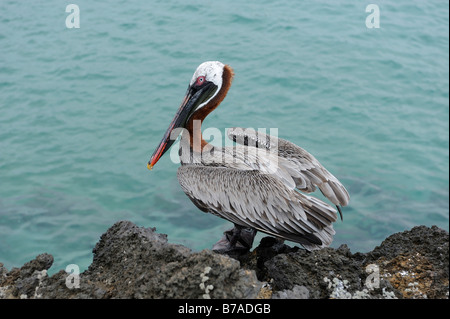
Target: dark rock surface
[[137, 262]]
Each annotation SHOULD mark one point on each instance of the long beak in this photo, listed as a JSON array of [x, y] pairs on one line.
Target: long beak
[[179, 120], [193, 98]]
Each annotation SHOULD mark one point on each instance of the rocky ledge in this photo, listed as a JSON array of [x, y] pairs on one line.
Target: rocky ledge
[[136, 262]]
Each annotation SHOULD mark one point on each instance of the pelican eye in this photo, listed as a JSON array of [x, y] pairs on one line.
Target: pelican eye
[[200, 80]]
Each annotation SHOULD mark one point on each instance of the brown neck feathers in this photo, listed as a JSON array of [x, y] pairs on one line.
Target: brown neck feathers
[[195, 130]]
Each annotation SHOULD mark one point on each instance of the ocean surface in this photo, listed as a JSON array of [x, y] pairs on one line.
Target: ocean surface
[[82, 110]]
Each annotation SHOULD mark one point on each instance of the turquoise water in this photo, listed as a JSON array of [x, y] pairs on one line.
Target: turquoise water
[[81, 111]]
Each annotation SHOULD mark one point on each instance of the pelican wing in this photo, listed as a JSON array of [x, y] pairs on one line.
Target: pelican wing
[[308, 174], [254, 199]]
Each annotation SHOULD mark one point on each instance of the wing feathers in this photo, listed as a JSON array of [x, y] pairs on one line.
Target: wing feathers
[[260, 201], [305, 169]]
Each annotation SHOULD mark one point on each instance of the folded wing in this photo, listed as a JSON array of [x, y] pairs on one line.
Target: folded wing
[[261, 201], [307, 172]]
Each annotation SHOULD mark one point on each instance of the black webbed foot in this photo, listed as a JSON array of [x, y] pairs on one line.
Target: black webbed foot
[[236, 241]]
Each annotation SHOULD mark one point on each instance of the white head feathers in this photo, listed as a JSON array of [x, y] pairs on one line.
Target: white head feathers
[[211, 70]]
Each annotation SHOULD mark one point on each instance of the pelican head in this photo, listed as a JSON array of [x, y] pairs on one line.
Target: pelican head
[[203, 89]]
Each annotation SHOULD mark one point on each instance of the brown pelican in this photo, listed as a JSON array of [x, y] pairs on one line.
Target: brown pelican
[[257, 184]]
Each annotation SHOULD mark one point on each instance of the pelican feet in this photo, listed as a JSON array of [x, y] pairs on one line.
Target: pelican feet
[[236, 241]]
